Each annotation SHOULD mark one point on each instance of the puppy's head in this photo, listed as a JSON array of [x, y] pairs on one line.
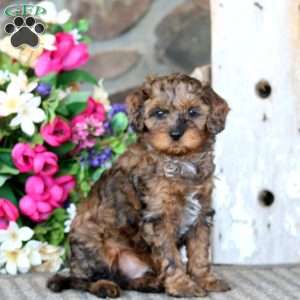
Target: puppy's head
[[176, 114]]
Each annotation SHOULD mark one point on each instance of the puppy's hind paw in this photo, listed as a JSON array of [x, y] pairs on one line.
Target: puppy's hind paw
[[58, 283]]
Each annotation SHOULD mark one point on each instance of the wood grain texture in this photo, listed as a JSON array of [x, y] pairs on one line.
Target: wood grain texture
[[260, 148]]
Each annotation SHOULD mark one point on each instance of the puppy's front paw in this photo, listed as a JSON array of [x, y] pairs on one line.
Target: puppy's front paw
[[183, 286], [104, 289], [212, 284]]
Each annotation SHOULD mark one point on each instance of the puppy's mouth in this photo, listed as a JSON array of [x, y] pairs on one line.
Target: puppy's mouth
[[174, 143]]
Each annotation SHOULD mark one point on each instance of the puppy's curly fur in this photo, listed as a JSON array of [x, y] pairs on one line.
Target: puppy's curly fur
[[155, 199]]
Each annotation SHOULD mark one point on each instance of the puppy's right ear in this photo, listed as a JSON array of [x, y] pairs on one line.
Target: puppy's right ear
[[135, 108]]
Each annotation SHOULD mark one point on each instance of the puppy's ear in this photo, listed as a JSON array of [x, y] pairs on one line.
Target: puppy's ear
[[219, 110], [135, 107]]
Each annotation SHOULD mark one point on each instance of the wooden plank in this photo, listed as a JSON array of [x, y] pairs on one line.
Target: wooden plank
[[260, 148]]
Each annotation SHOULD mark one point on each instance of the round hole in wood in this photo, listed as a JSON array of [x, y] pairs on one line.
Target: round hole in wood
[[266, 198], [263, 89]]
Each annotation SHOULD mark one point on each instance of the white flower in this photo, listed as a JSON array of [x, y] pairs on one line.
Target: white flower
[[51, 257], [12, 237], [32, 249], [71, 210], [4, 76], [52, 16], [28, 113], [10, 101], [50, 266], [101, 95], [49, 251], [47, 42], [21, 80], [15, 260]]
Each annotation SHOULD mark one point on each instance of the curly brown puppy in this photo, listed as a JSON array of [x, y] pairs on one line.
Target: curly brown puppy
[[155, 199]]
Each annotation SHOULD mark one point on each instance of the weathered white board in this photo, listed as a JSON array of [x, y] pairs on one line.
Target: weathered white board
[[260, 148]]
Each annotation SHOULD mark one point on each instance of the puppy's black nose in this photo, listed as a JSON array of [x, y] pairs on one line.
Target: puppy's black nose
[[176, 134]]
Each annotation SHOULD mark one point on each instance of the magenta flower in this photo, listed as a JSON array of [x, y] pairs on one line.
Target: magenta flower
[[8, 212], [57, 132], [68, 56], [22, 156], [44, 194], [88, 126], [45, 163], [67, 183]]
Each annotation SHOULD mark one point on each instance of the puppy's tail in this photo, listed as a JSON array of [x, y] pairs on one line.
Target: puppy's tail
[[58, 283]]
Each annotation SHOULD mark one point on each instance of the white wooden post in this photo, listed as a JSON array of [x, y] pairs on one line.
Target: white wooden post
[[257, 41]]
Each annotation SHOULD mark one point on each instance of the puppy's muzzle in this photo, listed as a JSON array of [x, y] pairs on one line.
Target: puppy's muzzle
[[177, 132]]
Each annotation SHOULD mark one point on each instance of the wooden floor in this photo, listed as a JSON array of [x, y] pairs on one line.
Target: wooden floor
[[276, 283]]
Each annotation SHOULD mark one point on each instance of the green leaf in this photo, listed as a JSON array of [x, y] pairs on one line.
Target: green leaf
[[83, 25], [50, 79], [119, 123], [37, 139], [6, 165], [67, 78], [5, 169], [64, 149], [52, 230], [97, 174], [73, 104], [86, 39], [6, 192], [3, 179], [69, 26], [6, 63]]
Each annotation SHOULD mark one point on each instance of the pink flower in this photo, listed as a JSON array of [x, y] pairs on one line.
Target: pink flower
[[68, 56], [67, 183], [22, 156], [94, 109], [57, 132], [88, 125], [44, 194], [45, 163], [8, 212]]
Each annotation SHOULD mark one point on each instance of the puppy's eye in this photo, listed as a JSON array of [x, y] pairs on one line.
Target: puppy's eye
[[194, 112], [159, 113]]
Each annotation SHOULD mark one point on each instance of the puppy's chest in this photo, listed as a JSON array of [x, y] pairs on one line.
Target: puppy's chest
[[183, 214], [190, 213]]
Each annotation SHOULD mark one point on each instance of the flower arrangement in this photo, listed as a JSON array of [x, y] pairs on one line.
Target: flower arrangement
[[55, 142]]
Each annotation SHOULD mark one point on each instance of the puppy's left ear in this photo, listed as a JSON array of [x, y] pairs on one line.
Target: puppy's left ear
[[219, 110], [135, 107]]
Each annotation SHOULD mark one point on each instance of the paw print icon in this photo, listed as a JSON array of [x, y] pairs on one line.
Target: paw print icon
[[24, 31]]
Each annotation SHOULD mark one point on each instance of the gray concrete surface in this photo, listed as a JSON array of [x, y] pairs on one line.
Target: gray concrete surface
[[276, 283]]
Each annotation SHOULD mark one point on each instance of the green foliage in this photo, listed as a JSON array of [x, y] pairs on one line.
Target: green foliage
[[83, 25], [67, 78], [73, 104], [119, 123], [50, 105], [7, 64], [7, 192], [64, 149], [6, 165], [52, 231]]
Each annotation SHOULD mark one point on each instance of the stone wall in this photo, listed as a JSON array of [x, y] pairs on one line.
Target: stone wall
[[136, 38]]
